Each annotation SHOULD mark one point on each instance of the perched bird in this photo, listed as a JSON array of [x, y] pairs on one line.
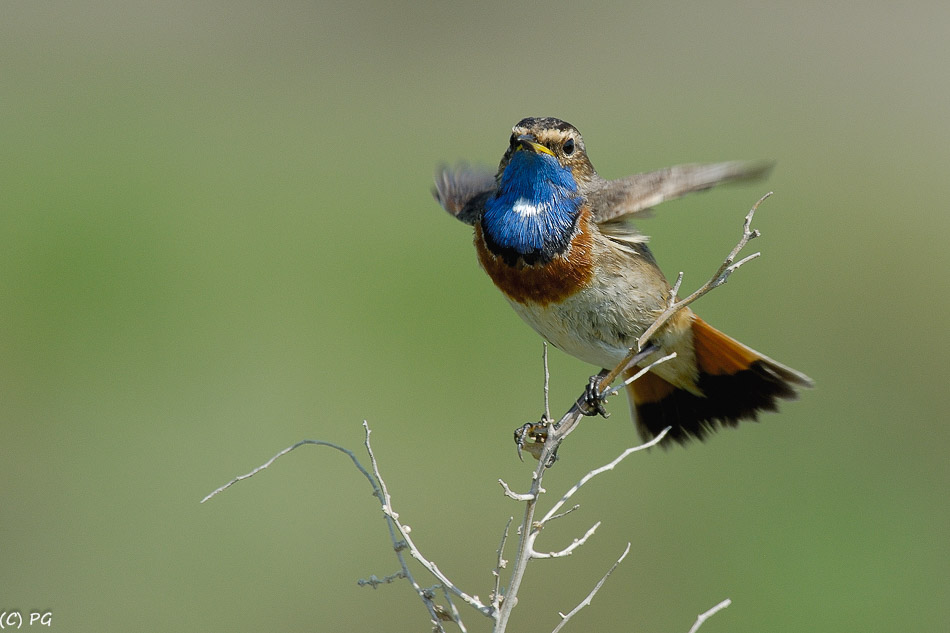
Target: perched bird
[[555, 238]]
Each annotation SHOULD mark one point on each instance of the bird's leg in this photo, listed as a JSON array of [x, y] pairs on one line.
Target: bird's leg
[[594, 399]]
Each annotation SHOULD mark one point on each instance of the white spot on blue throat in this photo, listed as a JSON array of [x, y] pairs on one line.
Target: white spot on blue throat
[[523, 206]]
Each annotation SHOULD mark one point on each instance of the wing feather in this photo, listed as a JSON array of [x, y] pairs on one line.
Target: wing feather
[[634, 195], [462, 191]]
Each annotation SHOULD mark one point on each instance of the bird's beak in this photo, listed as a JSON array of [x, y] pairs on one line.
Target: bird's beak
[[528, 142]]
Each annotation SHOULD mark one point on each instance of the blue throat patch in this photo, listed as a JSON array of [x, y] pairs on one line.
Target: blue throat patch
[[534, 212]]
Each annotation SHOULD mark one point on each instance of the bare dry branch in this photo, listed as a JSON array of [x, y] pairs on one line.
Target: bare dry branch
[[398, 532], [396, 526], [530, 530], [587, 600]]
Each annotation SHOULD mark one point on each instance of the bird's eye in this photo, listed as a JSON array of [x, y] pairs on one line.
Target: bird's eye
[[568, 147], [511, 141]]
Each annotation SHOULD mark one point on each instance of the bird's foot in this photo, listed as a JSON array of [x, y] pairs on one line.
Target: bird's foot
[[531, 438], [594, 400]]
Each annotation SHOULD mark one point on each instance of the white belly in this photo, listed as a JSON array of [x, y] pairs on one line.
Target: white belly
[[601, 332], [586, 330]]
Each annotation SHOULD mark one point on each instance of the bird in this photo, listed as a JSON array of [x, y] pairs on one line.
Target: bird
[[556, 239]]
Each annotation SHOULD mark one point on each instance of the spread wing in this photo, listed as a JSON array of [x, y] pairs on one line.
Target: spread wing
[[462, 191], [633, 195]]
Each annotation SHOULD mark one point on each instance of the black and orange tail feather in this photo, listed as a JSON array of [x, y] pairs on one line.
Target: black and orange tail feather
[[734, 383]]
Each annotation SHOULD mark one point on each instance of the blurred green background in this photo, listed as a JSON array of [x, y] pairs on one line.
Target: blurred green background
[[217, 238]]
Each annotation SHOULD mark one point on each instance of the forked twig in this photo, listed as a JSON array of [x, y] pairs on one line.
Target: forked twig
[[567, 551], [729, 266], [530, 530], [552, 513], [398, 532], [587, 600]]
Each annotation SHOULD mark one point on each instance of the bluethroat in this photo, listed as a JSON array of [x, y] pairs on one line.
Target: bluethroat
[[556, 239]]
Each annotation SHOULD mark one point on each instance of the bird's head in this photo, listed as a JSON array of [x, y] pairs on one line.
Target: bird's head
[[546, 148], [541, 190]]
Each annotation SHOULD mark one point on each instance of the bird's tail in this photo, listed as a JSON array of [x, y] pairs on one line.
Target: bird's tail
[[734, 382]]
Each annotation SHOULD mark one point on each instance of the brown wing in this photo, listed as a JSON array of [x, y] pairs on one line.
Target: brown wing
[[462, 191], [635, 194]]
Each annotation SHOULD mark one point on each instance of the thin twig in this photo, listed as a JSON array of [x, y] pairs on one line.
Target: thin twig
[[675, 289], [456, 617], [708, 614], [597, 471], [547, 381], [567, 551], [375, 581], [565, 513], [639, 374], [586, 601], [517, 496], [501, 563], [273, 459]]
